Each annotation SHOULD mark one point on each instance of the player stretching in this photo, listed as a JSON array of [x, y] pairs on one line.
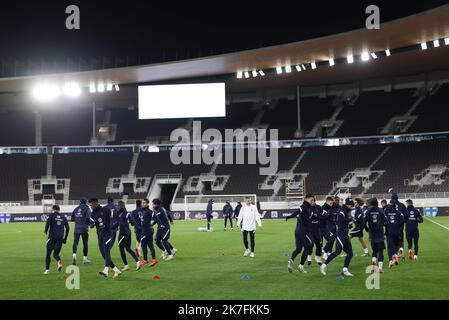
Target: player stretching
[[54, 227], [357, 231], [124, 237], [146, 217], [248, 217], [81, 216], [412, 218], [343, 242], [395, 221], [227, 214], [375, 221], [137, 226], [163, 220], [101, 218], [303, 215]]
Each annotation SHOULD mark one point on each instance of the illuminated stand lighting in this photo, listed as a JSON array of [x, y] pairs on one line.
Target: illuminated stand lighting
[[388, 52], [424, 46], [331, 62], [72, 89], [288, 69], [279, 70], [313, 65], [262, 73], [254, 73], [92, 88], [117, 88], [350, 58], [365, 56], [109, 87], [436, 43], [246, 74], [298, 68], [239, 75], [446, 41], [46, 92], [373, 55], [100, 87]]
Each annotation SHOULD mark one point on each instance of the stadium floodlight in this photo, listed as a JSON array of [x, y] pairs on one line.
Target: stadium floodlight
[[46, 92], [313, 65], [331, 62], [388, 52], [350, 58], [254, 72], [246, 73], [365, 56], [303, 67], [100, 87], [117, 88], [373, 55], [279, 70], [298, 68], [72, 89], [288, 69], [92, 88], [424, 46], [239, 75], [109, 86], [436, 43], [262, 73], [446, 41]]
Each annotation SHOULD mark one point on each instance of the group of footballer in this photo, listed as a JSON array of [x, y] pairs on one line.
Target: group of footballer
[[108, 221], [339, 224]]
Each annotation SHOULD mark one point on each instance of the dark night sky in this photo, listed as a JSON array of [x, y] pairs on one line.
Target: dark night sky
[[178, 30]]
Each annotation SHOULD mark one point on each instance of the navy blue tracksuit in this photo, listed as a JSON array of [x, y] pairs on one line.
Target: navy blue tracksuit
[[318, 218], [209, 213], [332, 226], [403, 210], [115, 223], [227, 214], [412, 218], [326, 234], [302, 238], [359, 218], [101, 218], [124, 237], [135, 216], [237, 210], [375, 222], [57, 229], [146, 217], [342, 238], [395, 223], [163, 219], [81, 217]]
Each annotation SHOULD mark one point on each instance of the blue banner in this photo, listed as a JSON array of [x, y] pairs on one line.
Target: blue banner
[[23, 150]]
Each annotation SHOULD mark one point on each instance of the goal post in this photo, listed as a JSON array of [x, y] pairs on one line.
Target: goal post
[[195, 205]]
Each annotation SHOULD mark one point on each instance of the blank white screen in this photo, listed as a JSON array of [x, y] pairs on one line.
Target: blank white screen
[[182, 101]]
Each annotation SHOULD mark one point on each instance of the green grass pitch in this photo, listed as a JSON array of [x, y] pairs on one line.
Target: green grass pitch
[[211, 266]]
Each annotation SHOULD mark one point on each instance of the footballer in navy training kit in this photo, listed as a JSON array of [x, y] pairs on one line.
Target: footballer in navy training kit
[[302, 239], [343, 243], [395, 223], [227, 215], [81, 218], [146, 218], [209, 210], [318, 217], [402, 210], [124, 237], [101, 218], [333, 212], [375, 223], [412, 219], [325, 226], [57, 229], [135, 214], [163, 221], [359, 223]]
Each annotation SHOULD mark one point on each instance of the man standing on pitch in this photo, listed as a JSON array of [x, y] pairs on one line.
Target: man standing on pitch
[[135, 218], [227, 215], [248, 217], [54, 227], [209, 213], [81, 217], [146, 217]]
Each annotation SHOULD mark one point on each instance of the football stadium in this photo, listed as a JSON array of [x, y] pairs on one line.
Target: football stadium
[[307, 166]]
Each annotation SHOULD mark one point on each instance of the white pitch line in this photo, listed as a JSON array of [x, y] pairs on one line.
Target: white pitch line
[[437, 223]]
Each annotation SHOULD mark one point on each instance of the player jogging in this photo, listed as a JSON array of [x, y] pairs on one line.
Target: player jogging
[[357, 231], [375, 222], [163, 220], [81, 217], [146, 217], [412, 218], [57, 229], [124, 237]]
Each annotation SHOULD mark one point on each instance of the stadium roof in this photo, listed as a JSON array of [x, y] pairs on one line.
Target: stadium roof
[[408, 31]]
